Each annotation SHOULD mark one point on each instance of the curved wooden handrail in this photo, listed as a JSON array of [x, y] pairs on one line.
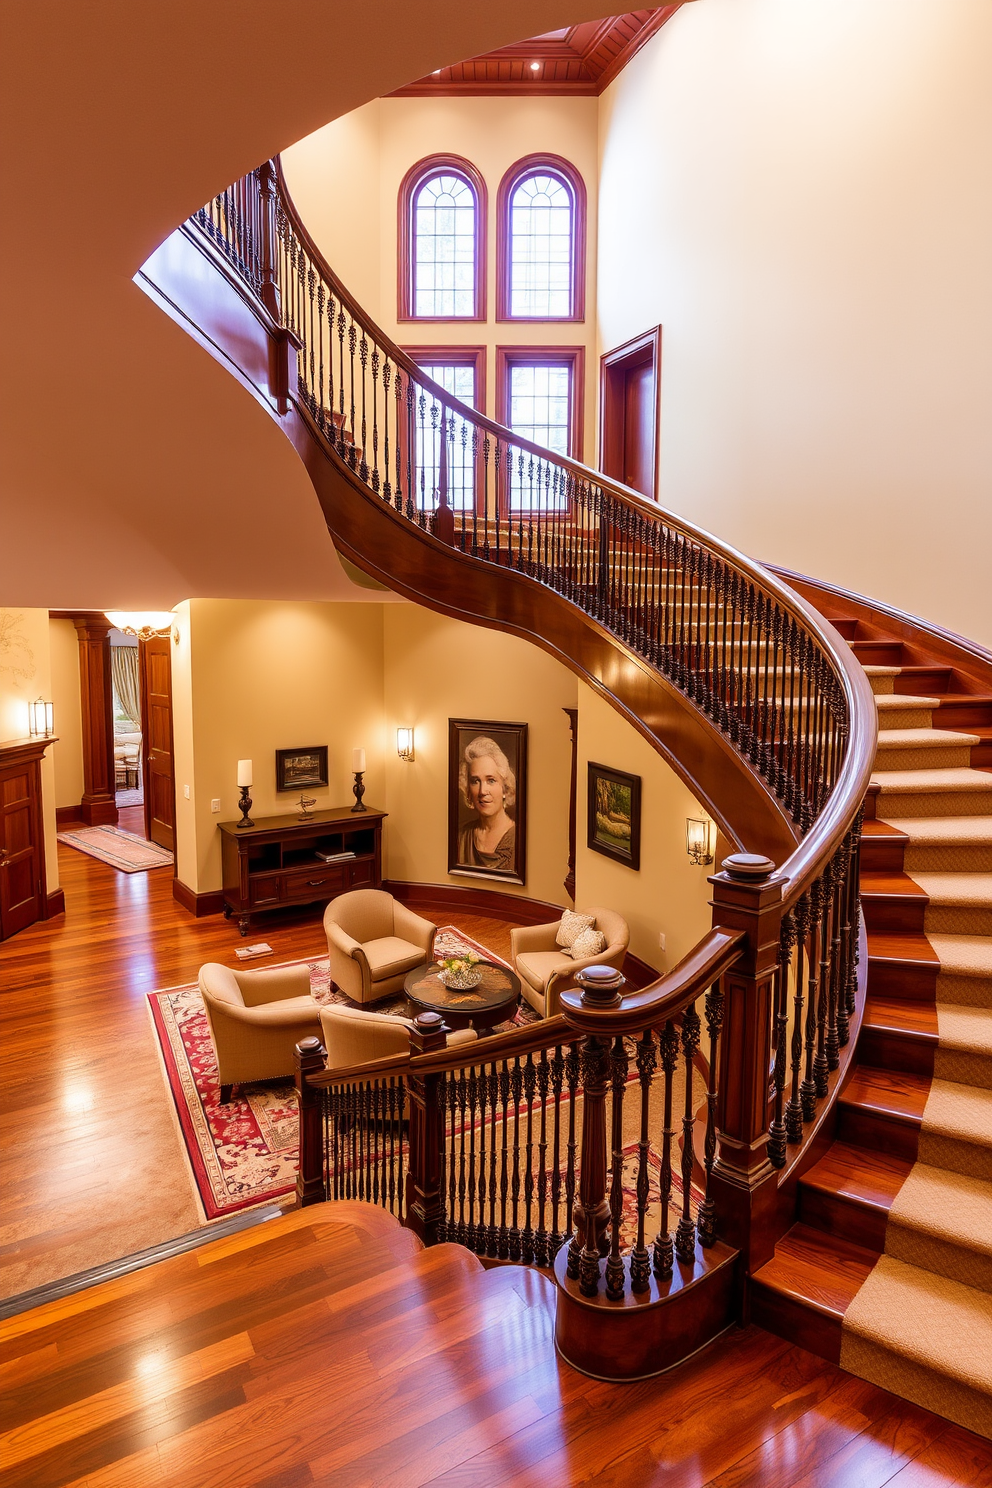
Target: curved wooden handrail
[[666, 998], [529, 1038]]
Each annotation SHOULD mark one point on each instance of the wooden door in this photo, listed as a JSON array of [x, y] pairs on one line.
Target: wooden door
[[156, 740], [629, 412], [22, 848]]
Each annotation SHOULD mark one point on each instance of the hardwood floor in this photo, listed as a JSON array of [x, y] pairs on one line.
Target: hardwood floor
[[91, 1157], [326, 1347]]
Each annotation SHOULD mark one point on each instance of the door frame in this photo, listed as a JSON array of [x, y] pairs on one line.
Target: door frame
[[146, 746], [639, 351]]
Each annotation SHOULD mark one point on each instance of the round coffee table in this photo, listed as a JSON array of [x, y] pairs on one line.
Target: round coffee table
[[481, 1007]]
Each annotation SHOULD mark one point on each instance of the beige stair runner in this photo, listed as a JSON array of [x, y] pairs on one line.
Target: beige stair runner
[[921, 1325]]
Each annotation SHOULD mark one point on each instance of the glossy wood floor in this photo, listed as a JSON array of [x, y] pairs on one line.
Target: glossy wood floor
[[92, 1166], [327, 1348]]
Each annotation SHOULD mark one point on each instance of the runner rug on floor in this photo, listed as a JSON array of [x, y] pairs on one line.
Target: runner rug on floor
[[244, 1153], [123, 850]]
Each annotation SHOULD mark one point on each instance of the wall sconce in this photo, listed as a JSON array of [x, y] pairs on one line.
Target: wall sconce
[[41, 719], [700, 840], [404, 744], [141, 623]]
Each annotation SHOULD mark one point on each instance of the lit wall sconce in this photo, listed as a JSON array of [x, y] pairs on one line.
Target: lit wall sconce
[[700, 840], [41, 719], [141, 623], [404, 744]]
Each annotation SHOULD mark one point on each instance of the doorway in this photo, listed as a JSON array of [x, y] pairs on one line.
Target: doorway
[[630, 409], [158, 775], [125, 672]]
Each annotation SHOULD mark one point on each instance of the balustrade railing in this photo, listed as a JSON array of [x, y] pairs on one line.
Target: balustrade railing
[[484, 1144]]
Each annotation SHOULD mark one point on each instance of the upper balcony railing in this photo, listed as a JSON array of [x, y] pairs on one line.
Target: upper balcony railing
[[778, 973]]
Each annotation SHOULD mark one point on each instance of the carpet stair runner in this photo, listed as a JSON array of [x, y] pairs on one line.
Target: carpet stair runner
[[889, 1270]]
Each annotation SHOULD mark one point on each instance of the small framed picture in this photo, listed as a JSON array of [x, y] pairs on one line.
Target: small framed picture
[[487, 799], [614, 815], [297, 768]]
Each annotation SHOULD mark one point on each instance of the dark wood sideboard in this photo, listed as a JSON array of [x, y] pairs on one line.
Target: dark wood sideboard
[[275, 862]]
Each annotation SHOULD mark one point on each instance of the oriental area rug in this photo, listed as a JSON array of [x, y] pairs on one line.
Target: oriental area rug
[[244, 1153]]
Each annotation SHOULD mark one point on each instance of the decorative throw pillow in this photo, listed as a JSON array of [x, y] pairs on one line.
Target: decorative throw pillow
[[572, 924], [589, 943]]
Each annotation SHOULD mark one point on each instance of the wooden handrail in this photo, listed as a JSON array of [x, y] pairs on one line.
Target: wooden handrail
[[527, 1039], [666, 998]]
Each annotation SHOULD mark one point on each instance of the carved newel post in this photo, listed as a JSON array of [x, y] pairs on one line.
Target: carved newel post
[[743, 1181], [424, 1207], [310, 1056]]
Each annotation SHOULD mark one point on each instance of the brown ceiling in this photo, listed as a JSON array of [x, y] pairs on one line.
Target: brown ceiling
[[579, 60], [136, 471]]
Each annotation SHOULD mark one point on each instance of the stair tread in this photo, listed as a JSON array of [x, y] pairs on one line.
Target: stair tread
[[907, 946], [859, 1174], [941, 1325], [923, 782], [964, 955], [925, 738], [893, 1093], [874, 882], [899, 1016], [943, 831], [899, 701], [824, 1271], [971, 889]]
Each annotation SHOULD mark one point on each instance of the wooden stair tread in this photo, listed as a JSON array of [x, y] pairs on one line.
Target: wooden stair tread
[[889, 885], [822, 1271], [897, 1094], [858, 1174], [907, 948], [904, 1018]]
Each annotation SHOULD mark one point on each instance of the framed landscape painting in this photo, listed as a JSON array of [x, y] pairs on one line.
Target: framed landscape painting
[[487, 799], [297, 768], [614, 814]]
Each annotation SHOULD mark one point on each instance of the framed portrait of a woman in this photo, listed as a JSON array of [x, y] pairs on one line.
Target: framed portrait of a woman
[[487, 799]]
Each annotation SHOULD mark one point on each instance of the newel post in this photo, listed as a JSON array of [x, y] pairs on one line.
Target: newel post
[[309, 1057], [424, 1206], [744, 1184], [268, 247]]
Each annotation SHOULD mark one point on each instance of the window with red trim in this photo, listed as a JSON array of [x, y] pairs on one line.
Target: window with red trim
[[460, 371], [540, 398], [541, 241], [442, 241]]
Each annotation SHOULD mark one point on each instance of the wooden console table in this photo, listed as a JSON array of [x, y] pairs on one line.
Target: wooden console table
[[275, 862]]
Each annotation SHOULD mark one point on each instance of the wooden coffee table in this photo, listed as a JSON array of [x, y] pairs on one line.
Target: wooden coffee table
[[492, 1001]]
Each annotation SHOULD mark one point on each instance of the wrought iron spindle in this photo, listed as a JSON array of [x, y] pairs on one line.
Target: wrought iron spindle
[[663, 1249], [685, 1234]]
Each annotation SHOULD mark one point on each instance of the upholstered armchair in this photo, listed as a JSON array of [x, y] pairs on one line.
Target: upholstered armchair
[[373, 941], [256, 1020], [354, 1035], [545, 970]]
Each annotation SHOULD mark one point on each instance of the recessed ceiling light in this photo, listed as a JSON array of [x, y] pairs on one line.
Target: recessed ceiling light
[[535, 67]]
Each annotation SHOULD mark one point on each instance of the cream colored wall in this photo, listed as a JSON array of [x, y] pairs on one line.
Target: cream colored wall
[[258, 677], [436, 669], [26, 674], [799, 193], [668, 895], [345, 180], [184, 773], [68, 752]]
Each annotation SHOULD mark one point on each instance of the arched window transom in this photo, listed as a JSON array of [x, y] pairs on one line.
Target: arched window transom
[[444, 247], [542, 234]]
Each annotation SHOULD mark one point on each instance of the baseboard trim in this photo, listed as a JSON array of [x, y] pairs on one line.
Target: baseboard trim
[[54, 903], [212, 902], [66, 816], [80, 1281], [449, 899]]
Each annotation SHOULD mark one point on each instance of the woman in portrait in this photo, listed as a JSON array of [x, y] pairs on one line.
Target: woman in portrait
[[488, 787]]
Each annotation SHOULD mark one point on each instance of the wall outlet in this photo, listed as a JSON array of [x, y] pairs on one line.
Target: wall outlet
[[661, 940], [186, 791], [215, 804]]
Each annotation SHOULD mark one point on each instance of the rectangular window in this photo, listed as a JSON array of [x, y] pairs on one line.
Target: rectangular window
[[540, 399], [461, 373]]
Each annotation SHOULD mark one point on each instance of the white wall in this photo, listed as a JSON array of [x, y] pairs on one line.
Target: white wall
[[801, 194]]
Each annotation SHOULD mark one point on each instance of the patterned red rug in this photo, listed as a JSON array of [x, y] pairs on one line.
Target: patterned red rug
[[244, 1153]]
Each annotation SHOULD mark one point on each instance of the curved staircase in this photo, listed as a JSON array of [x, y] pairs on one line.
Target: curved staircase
[[890, 1265]]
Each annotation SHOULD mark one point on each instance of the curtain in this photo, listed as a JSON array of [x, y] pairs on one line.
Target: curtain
[[124, 672]]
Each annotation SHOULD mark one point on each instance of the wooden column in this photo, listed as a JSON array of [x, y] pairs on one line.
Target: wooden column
[[424, 1208], [309, 1057], [96, 694], [743, 1182]]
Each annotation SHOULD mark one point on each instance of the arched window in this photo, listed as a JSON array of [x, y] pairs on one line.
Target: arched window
[[442, 208], [541, 241]]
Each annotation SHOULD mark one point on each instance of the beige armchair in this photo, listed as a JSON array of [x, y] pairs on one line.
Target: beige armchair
[[545, 970], [256, 1020], [354, 1036], [373, 941]]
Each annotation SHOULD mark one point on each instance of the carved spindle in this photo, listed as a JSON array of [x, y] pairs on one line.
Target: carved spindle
[[572, 1071], [527, 1238], [503, 1244], [592, 1211], [794, 1108], [472, 1092], [492, 1091], [685, 1234], [821, 1067], [778, 1135], [541, 1247], [615, 1275], [706, 1218], [807, 1090], [557, 1084], [640, 1261], [663, 1249], [832, 1040]]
